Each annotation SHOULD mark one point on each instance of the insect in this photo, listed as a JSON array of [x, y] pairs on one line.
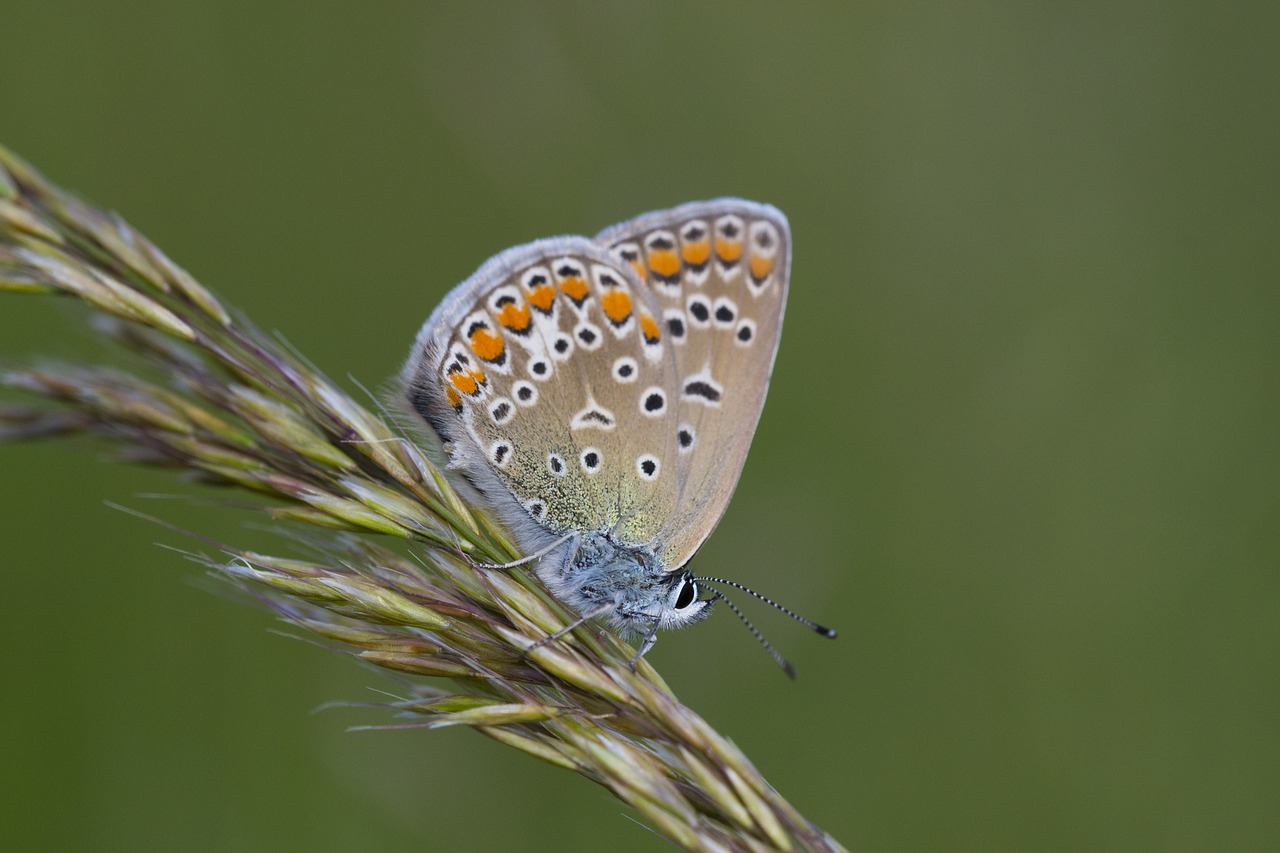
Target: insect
[[602, 394]]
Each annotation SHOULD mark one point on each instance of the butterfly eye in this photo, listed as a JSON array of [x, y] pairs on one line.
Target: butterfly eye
[[688, 593]]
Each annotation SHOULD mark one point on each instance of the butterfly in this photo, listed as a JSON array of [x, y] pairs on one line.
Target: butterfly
[[602, 395]]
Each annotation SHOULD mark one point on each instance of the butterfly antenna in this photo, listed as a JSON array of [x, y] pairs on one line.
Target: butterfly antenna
[[773, 653], [808, 623]]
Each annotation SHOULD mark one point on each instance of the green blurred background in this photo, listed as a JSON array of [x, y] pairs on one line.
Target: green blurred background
[[1020, 446]]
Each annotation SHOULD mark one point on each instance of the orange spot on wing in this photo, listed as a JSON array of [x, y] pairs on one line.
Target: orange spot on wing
[[728, 250], [664, 262], [542, 296], [486, 344], [451, 394], [640, 270], [696, 253], [761, 267], [515, 317], [649, 328], [617, 306], [575, 288], [464, 382]]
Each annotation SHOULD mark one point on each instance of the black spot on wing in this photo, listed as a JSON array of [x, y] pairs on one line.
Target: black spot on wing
[[698, 388]]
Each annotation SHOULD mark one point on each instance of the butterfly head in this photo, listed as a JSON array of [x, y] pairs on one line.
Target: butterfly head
[[682, 604], [626, 585], [672, 602]]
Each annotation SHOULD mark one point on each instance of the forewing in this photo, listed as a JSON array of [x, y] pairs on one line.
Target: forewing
[[719, 272], [545, 371]]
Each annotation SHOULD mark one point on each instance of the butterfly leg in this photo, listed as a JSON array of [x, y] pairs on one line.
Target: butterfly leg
[[529, 559], [649, 641], [599, 611]]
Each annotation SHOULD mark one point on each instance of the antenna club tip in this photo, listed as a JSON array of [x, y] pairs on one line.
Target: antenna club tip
[[827, 632]]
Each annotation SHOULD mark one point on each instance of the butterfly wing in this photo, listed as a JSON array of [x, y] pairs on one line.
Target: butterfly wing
[[545, 373], [719, 272]]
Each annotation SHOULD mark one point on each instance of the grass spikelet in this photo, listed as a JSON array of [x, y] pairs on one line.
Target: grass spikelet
[[390, 574]]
